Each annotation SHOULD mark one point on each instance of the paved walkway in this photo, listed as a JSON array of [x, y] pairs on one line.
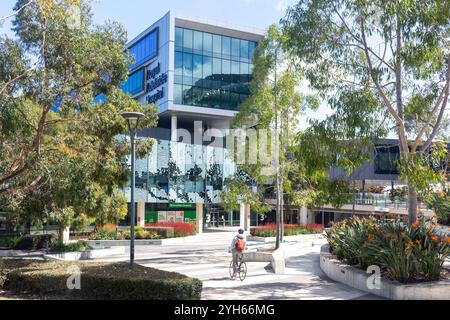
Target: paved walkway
[[209, 261]]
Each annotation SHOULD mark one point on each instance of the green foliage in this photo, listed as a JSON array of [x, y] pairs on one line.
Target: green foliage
[[59, 247], [70, 162], [381, 66], [106, 235], [404, 252], [439, 202], [35, 242], [100, 281], [9, 242]]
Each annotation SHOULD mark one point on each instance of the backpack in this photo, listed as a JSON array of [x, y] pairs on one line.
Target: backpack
[[240, 245]]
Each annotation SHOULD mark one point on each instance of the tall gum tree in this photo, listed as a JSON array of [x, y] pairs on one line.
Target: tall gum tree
[[396, 52]]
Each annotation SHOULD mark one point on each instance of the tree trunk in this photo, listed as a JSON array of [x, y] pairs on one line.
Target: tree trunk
[[412, 205]]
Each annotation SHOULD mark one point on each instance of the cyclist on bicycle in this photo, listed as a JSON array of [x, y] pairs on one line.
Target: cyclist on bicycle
[[237, 248]]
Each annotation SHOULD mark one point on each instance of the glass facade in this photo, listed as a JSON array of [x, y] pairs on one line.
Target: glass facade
[[386, 159], [135, 83], [182, 173], [145, 49], [211, 70]]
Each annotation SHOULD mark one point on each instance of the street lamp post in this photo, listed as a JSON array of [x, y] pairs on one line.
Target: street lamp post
[[133, 119]]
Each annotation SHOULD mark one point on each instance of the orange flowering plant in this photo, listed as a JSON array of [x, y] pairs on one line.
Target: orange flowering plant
[[404, 253]]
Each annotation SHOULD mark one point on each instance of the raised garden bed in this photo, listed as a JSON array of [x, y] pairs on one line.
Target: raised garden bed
[[361, 280]]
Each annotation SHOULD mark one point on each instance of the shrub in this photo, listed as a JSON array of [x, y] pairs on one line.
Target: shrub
[[163, 232], [9, 242], [35, 242], [103, 281], [405, 253], [269, 230], [180, 229], [106, 235], [80, 246]]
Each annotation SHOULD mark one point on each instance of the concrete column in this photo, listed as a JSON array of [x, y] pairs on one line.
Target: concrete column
[[303, 216], [199, 217], [242, 216], [174, 128], [247, 218], [141, 214]]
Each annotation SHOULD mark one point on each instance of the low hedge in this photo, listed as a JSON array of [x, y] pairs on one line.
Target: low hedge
[[163, 232], [100, 281], [35, 242]]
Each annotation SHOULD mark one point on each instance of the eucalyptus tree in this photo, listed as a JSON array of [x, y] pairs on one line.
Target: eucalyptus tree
[[60, 106], [392, 57]]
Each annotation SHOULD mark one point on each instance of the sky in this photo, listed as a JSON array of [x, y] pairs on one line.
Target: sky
[[138, 15]]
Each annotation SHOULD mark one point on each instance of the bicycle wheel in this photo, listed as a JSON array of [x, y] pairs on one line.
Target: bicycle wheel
[[231, 269], [242, 271]]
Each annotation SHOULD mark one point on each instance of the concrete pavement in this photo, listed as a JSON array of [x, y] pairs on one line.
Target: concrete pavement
[[208, 260]]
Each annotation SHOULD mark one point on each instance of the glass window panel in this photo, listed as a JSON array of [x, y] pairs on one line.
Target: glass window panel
[[178, 37], [187, 39], [207, 44], [225, 100], [226, 47], [235, 48], [217, 45], [197, 67], [196, 96], [145, 49], [217, 67], [207, 67], [244, 50], [198, 41], [178, 94], [187, 68], [187, 64], [187, 95], [226, 70], [251, 50], [178, 63]]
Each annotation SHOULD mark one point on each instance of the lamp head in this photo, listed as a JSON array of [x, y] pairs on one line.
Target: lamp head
[[132, 116]]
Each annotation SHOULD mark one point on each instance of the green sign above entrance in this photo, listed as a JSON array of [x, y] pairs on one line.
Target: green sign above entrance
[[180, 205]]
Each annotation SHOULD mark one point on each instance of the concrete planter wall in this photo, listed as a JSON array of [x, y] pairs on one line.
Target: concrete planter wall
[[158, 242], [86, 255], [358, 279], [301, 237], [276, 259]]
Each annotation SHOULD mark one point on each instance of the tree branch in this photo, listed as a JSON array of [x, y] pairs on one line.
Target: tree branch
[[2, 19], [400, 124]]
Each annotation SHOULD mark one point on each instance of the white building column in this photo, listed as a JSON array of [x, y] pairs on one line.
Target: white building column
[[174, 128], [199, 217], [141, 214], [304, 216], [244, 219]]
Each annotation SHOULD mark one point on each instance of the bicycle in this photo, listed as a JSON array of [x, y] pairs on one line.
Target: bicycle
[[242, 268]]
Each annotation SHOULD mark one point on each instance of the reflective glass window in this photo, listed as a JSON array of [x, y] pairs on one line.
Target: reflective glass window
[[178, 38], [187, 39], [197, 68], [217, 46], [187, 68], [198, 42], [178, 94], [145, 49], [244, 51], [134, 83], [235, 49], [226, 47], [178, 67], [207, 44]]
